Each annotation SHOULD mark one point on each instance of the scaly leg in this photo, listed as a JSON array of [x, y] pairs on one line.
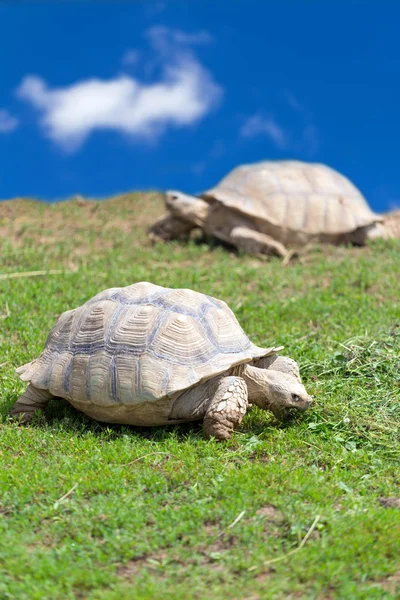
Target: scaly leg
[[31, 400], [254, 242], [227, 408]]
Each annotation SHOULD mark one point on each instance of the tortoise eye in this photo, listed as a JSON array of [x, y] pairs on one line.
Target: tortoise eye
[[296, 398]]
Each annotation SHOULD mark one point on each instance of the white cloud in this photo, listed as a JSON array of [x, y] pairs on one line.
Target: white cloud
[[302, 137], [131, 57], [198, 38], [170, 41], [293, 101], [7, 122], [264, 125], [184, 93]]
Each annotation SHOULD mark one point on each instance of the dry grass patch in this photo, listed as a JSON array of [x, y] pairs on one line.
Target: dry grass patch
[[48, 224]]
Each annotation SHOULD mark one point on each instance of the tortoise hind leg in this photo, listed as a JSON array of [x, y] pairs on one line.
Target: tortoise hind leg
[[31, 400], [254, 242]]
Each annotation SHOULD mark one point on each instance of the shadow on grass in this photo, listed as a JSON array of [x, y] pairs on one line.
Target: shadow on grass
[[201, 239], [60, 415]]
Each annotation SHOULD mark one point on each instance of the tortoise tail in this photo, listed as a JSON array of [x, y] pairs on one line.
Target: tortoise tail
[[25, 371]]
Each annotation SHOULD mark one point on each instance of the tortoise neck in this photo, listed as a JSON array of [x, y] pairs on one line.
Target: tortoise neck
[[257, 384]]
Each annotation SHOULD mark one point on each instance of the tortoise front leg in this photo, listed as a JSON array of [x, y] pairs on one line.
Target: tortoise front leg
[[254, 242], [31, 401], [226, 409], [168, 228], [221, 403]]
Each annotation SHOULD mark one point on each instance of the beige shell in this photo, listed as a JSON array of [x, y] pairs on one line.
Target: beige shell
[[297, 196], [138, 344]]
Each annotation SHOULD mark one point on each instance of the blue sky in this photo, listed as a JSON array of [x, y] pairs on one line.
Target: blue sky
[[102, 97]]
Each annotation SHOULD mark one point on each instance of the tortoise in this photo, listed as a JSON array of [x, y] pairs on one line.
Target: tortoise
[[148, 355], [270, 206]]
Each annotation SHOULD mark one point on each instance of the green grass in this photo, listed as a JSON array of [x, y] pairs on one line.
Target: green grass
[[149, 512]]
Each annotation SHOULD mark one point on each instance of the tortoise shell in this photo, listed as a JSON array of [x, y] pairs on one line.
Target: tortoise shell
[[304, 197], [140, 343]]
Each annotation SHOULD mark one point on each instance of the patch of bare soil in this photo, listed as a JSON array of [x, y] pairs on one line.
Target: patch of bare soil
[[391, 584], [155, 562], [5, 511], [150, 562], [204, 554], [221, 542], [272, 520], [270, 512], [389, 502]]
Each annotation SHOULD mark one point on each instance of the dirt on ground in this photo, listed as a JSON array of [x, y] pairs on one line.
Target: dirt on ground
[[51, 223]]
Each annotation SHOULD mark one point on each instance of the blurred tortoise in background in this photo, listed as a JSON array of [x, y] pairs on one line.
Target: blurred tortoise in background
[[148, 355], [270, 206], [392, 223]]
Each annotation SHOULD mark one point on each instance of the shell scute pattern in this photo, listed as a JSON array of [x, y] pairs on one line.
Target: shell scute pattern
[[229, 337], [133, 328], [181, 340], [100, 379], [312, 198], [138, 344], [91, 327]]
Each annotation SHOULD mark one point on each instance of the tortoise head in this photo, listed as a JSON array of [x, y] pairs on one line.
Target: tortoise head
[[286, 395], [279, 392], [186, 207]]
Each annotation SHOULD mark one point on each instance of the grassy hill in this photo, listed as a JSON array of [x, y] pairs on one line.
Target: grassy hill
[[308, 510]]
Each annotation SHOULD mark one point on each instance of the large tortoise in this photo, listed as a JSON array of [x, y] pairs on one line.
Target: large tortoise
[[148, 355], [270, 206]]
